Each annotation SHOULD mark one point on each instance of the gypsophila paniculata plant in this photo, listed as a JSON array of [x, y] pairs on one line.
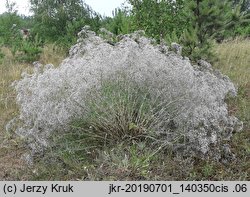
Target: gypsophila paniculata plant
[[161, 94]]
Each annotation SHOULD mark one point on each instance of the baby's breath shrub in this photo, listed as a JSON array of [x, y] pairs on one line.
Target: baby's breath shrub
[[124, 90]]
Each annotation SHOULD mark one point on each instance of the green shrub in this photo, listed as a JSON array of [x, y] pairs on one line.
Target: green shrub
[[243, 31], [27, 50]]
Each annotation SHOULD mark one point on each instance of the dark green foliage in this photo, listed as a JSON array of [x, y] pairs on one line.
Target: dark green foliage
[[192, 48], [242, 31], [207, 19], [51, 17], [159, 19], [121, 22], [244, 5], [29, 50], [60, 21], [9, 27], [239, 23], [11, 23], [192, 23], [53, 21]]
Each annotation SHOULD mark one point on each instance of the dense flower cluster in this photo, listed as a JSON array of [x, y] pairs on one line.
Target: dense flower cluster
[[52, 97]]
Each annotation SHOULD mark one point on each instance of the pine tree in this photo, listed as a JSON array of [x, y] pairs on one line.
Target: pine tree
[[120, 23], [240, 15], [244, 5], [207, 19]]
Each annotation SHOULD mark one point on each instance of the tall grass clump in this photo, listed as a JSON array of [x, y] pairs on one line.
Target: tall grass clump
[[121, 110], [120, 130]]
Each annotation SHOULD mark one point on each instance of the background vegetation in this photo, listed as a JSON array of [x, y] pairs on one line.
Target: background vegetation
[[217, 31], [194, 24]]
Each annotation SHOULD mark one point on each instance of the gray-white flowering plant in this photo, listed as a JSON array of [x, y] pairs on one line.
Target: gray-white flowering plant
[[159, 92]]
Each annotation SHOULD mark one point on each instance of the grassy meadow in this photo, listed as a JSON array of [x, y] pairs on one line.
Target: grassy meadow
[[127, 162]]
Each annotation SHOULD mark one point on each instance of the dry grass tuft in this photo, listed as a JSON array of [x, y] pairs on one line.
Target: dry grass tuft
[[52, 54], [234, 61]]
